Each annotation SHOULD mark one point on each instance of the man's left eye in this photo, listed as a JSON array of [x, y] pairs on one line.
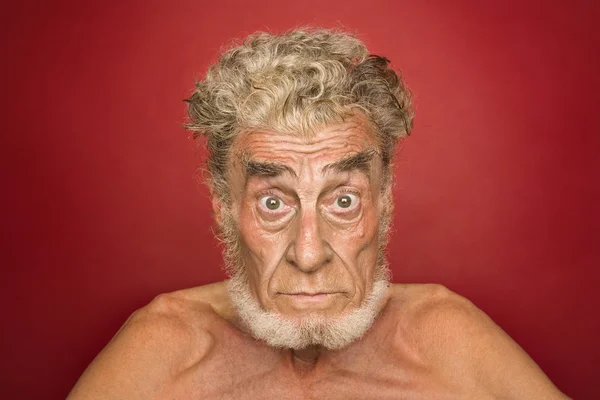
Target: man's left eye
[[346, 201]]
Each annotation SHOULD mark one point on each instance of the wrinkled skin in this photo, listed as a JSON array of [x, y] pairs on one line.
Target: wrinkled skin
[[310, 244], [310, 249]]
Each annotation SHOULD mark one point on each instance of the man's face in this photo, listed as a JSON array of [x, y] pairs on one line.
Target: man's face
[[308, 214]]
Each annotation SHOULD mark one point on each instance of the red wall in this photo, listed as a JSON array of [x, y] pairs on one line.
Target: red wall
[[497, 189]]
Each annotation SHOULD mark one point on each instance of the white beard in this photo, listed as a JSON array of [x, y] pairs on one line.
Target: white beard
[[284, 332], [279, 331]]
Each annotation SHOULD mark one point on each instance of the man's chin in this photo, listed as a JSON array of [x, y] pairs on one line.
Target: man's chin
[[311, 325], [307, 318]]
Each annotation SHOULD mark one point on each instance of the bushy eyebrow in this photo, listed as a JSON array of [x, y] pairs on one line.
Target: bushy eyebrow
[[264, 169], [360, 161]]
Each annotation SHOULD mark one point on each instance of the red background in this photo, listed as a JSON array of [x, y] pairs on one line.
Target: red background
[[497, 189]]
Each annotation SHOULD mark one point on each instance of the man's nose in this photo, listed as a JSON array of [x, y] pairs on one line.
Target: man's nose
[[309, 251]]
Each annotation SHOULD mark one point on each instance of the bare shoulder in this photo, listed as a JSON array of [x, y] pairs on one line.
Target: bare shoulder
[[449, 331], [439, 323], [157, 342], [432, 311]]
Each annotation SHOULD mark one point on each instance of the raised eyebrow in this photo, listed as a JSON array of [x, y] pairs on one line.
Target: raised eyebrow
[[265, 169], [360, 161]]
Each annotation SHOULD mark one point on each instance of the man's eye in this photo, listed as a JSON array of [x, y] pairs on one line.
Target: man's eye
[[272, 203], [346, 201]]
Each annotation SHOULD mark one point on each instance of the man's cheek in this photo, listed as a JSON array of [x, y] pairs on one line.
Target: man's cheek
[[352, 244], [266, 250], [351, 235]]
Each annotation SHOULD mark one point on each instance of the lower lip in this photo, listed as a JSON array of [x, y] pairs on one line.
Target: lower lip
[[311, 297]]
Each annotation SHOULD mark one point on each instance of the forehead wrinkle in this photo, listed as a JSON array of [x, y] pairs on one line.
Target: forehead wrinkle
[[313, 143], [266, 153]]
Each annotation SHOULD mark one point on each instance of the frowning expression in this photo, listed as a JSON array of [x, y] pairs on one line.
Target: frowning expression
[[308, 212]]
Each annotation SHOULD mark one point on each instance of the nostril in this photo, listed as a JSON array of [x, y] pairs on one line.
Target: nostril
[[292, 263]]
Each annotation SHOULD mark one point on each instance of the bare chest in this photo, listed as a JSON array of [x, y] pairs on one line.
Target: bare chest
[[244, 369]]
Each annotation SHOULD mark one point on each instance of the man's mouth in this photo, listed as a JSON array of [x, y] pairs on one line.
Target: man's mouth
[[310, 294], [317, 295], [310, 298]]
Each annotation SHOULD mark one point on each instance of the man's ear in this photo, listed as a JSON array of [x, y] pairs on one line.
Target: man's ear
[[216, 206], [215, 200]]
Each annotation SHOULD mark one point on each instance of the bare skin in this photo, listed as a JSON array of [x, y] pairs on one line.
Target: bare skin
[[310, 243], [309, 224], [428, 343]]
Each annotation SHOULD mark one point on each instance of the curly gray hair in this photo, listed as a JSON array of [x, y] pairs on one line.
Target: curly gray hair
[[295, 83]]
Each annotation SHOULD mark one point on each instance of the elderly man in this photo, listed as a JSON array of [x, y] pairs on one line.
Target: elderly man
[[301, 129]]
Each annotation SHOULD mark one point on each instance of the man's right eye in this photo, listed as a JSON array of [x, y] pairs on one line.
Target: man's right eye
[[271, 203]]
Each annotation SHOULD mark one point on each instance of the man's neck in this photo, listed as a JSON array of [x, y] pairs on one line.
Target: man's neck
[[305, 360]]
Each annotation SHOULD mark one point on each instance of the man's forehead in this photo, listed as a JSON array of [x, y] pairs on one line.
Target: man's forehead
[[335, 141]]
